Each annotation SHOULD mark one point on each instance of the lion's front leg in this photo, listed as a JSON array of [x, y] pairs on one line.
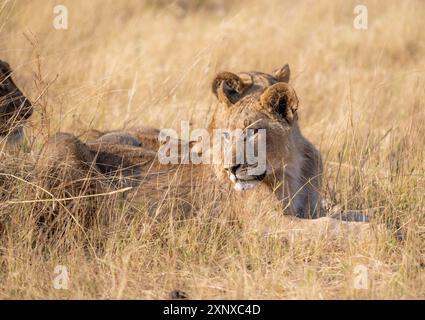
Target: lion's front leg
[[298, 197]]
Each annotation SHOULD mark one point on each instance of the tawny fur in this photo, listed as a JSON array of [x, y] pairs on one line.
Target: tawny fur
[[258, 100], [65, 184]]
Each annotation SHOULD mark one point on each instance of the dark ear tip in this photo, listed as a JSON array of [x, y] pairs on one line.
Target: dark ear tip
[[278, 89], [229, 78], [283, 74], [224, 76], [271, 96], [285, 68]]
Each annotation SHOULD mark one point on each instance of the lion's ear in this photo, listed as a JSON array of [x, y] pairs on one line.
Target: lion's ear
[[280, 99], [283, 74], [228, 87]]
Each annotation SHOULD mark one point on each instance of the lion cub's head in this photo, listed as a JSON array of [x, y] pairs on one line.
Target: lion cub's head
[[15, 108], [249, 102]]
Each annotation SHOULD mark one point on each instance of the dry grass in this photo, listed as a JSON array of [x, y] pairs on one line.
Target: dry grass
[[132, 63]]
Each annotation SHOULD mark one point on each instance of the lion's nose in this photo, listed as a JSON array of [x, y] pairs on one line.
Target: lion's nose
[[231, 169]]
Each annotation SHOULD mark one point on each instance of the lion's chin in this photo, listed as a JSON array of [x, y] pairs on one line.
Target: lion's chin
[[245, 185]]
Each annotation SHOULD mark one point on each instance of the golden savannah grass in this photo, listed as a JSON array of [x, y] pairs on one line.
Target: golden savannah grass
[[132, 63]]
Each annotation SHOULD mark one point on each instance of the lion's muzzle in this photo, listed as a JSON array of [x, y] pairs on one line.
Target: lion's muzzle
[[243, 181]]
